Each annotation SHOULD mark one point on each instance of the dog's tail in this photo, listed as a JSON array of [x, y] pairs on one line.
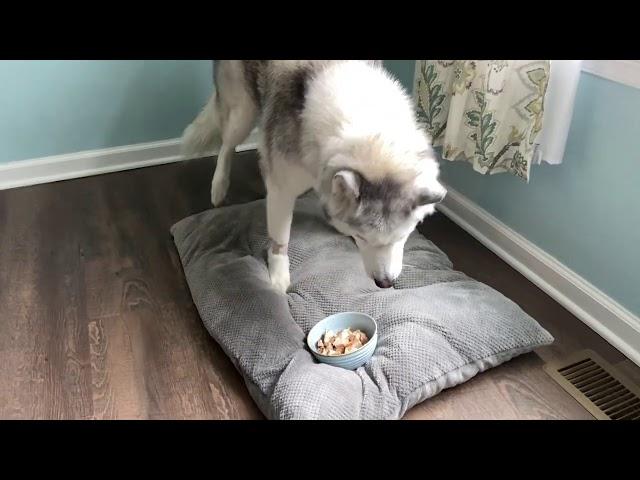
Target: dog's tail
[[204, 133]]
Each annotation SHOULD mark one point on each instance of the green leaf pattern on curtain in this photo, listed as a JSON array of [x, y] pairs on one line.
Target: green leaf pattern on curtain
[[485, 112]]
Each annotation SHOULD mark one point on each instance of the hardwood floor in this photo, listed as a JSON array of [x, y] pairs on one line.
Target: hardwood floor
[[96, 320]]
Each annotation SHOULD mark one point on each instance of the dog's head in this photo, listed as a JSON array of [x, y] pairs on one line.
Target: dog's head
[[379, 206]]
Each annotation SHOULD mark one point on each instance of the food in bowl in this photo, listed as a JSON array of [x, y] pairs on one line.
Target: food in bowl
[[341, 342]]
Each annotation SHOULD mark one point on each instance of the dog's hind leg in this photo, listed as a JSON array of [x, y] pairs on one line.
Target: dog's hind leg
[[238, 120]]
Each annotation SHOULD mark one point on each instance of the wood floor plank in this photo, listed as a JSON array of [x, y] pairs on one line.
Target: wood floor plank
[[47, 286], [118, 386], [521, 389], [474, 400], [535, 396]]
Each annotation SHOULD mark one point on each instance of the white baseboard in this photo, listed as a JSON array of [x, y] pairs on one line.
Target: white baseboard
[[94, 162], [609, 319]]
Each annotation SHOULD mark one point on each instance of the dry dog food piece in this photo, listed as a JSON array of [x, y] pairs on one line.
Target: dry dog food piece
[[342, 342]]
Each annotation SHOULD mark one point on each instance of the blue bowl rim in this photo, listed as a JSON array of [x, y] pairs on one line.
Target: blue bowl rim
[[343, 355]]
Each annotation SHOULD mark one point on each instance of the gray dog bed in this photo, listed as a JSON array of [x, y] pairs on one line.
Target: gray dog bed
[[437, 327]]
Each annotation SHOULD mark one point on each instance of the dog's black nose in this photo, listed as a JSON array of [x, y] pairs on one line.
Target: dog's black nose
[[383, 283]]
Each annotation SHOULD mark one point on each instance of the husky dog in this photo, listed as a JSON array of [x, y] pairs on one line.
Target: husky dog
[[344, 128]]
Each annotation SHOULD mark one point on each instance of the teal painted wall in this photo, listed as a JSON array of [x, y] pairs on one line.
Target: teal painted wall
[[54, 107], [403, 70], [586, 211]]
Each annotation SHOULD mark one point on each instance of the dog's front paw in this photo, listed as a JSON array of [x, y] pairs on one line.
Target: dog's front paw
[[279, 271]]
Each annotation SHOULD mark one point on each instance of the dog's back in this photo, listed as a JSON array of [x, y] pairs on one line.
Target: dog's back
[[277, 90], [264, 80]]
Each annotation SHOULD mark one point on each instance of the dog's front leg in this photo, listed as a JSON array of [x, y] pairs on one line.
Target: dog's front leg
[[280, 206]]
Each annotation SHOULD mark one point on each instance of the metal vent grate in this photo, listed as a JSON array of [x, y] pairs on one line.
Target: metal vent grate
[[605, 392]]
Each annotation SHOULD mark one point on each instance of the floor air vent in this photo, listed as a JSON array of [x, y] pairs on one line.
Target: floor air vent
[[606, 393]]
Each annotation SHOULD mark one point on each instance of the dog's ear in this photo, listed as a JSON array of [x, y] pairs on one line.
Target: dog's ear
[[346, 185]]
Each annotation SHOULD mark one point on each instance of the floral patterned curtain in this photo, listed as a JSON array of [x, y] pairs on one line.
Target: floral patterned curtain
[[485, 112]]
